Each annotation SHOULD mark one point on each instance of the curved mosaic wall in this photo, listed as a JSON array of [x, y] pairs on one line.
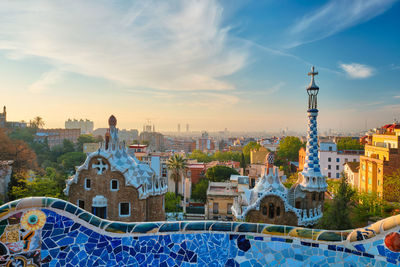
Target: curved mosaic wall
[[53, 232]]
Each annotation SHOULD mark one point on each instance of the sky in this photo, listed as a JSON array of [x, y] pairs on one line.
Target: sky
[[235, 64]]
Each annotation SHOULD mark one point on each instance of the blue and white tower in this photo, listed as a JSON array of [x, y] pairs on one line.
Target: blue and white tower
[[312, 181]]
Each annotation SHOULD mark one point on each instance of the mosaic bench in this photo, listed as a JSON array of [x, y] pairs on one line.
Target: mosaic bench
[[44, 231]]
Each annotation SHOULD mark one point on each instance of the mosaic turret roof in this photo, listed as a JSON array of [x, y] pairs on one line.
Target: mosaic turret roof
[[137, 174]]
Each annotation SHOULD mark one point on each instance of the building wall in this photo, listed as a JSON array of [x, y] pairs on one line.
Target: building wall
[[380, 159], [302, 158], [331, 162], [352, 177], [268, 212], [223, 212], [101, 185], [90, 147], [57, 136], [258, 156], [86, 126]]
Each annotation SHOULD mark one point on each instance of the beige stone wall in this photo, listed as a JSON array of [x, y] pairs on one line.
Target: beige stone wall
[[223, 202], [100, 185], [262, 215]]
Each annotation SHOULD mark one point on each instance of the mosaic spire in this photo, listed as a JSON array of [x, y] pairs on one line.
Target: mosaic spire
[[312, 177]]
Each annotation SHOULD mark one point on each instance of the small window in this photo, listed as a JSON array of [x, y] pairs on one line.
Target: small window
[[346, 160], [329, 175], [354, 160], [329, 159], [229, 208], [271, 210], [313, 197], [215, 208], [337, 160], [329, 167], [337, 175], [264, 210], [81, 204], [114, 185], [124, 209], [337, 167], [88, 184], [330, 148]]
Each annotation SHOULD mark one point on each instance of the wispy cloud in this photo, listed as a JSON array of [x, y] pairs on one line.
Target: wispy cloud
[[357, 71], [397, 96], [179, 45], [333, 17], [46, 81]]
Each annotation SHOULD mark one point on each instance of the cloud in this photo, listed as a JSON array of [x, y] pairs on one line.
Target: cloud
[[397, 96], [333, 17], [179, 45], [357, 71], [46, 81]]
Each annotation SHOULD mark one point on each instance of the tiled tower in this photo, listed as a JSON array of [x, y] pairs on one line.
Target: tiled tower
[[312, 177]]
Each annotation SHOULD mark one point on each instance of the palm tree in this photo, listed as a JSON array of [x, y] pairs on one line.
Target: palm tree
[[37, 122], [177, 164]]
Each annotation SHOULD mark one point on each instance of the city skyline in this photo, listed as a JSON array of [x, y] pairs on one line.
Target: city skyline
[[214, 65]]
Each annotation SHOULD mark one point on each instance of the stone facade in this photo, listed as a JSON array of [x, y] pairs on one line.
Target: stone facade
[[220, 197], [115, 186], [272, 210]]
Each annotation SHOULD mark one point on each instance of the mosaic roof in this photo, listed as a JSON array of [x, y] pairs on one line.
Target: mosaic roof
[[136, 174]]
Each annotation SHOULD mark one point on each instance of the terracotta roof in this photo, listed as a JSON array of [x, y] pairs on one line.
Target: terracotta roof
[[354, 166]]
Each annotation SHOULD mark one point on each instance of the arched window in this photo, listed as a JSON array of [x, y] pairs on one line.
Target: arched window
[[264, 210], [278, 211], [114, 185], [271, 210]]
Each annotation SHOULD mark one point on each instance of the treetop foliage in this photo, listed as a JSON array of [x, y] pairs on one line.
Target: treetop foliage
[[348, 143], [288, 149], [220, 173]]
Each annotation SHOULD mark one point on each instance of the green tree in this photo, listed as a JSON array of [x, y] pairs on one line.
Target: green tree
[[70, 160], [200, 156], [220, 173], [172, 202], [68, 146], [288, 149], [336, 216], [37, 122], [291, 180], [348, 143], [85, 138], [40, 186], [369, 205], [25, 134], [177, 164], [199, 191], [243, 163], [391, 186]]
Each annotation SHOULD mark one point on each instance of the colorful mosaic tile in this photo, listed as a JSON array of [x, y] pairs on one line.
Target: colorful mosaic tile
[[51, 232]]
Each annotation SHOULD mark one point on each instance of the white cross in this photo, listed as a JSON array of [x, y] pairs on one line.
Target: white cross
[[101, 166]]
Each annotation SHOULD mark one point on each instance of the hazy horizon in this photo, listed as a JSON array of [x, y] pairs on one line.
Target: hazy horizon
[[240, 65]]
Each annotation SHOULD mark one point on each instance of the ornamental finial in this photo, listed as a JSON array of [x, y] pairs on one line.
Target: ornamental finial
[[312, 84]]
